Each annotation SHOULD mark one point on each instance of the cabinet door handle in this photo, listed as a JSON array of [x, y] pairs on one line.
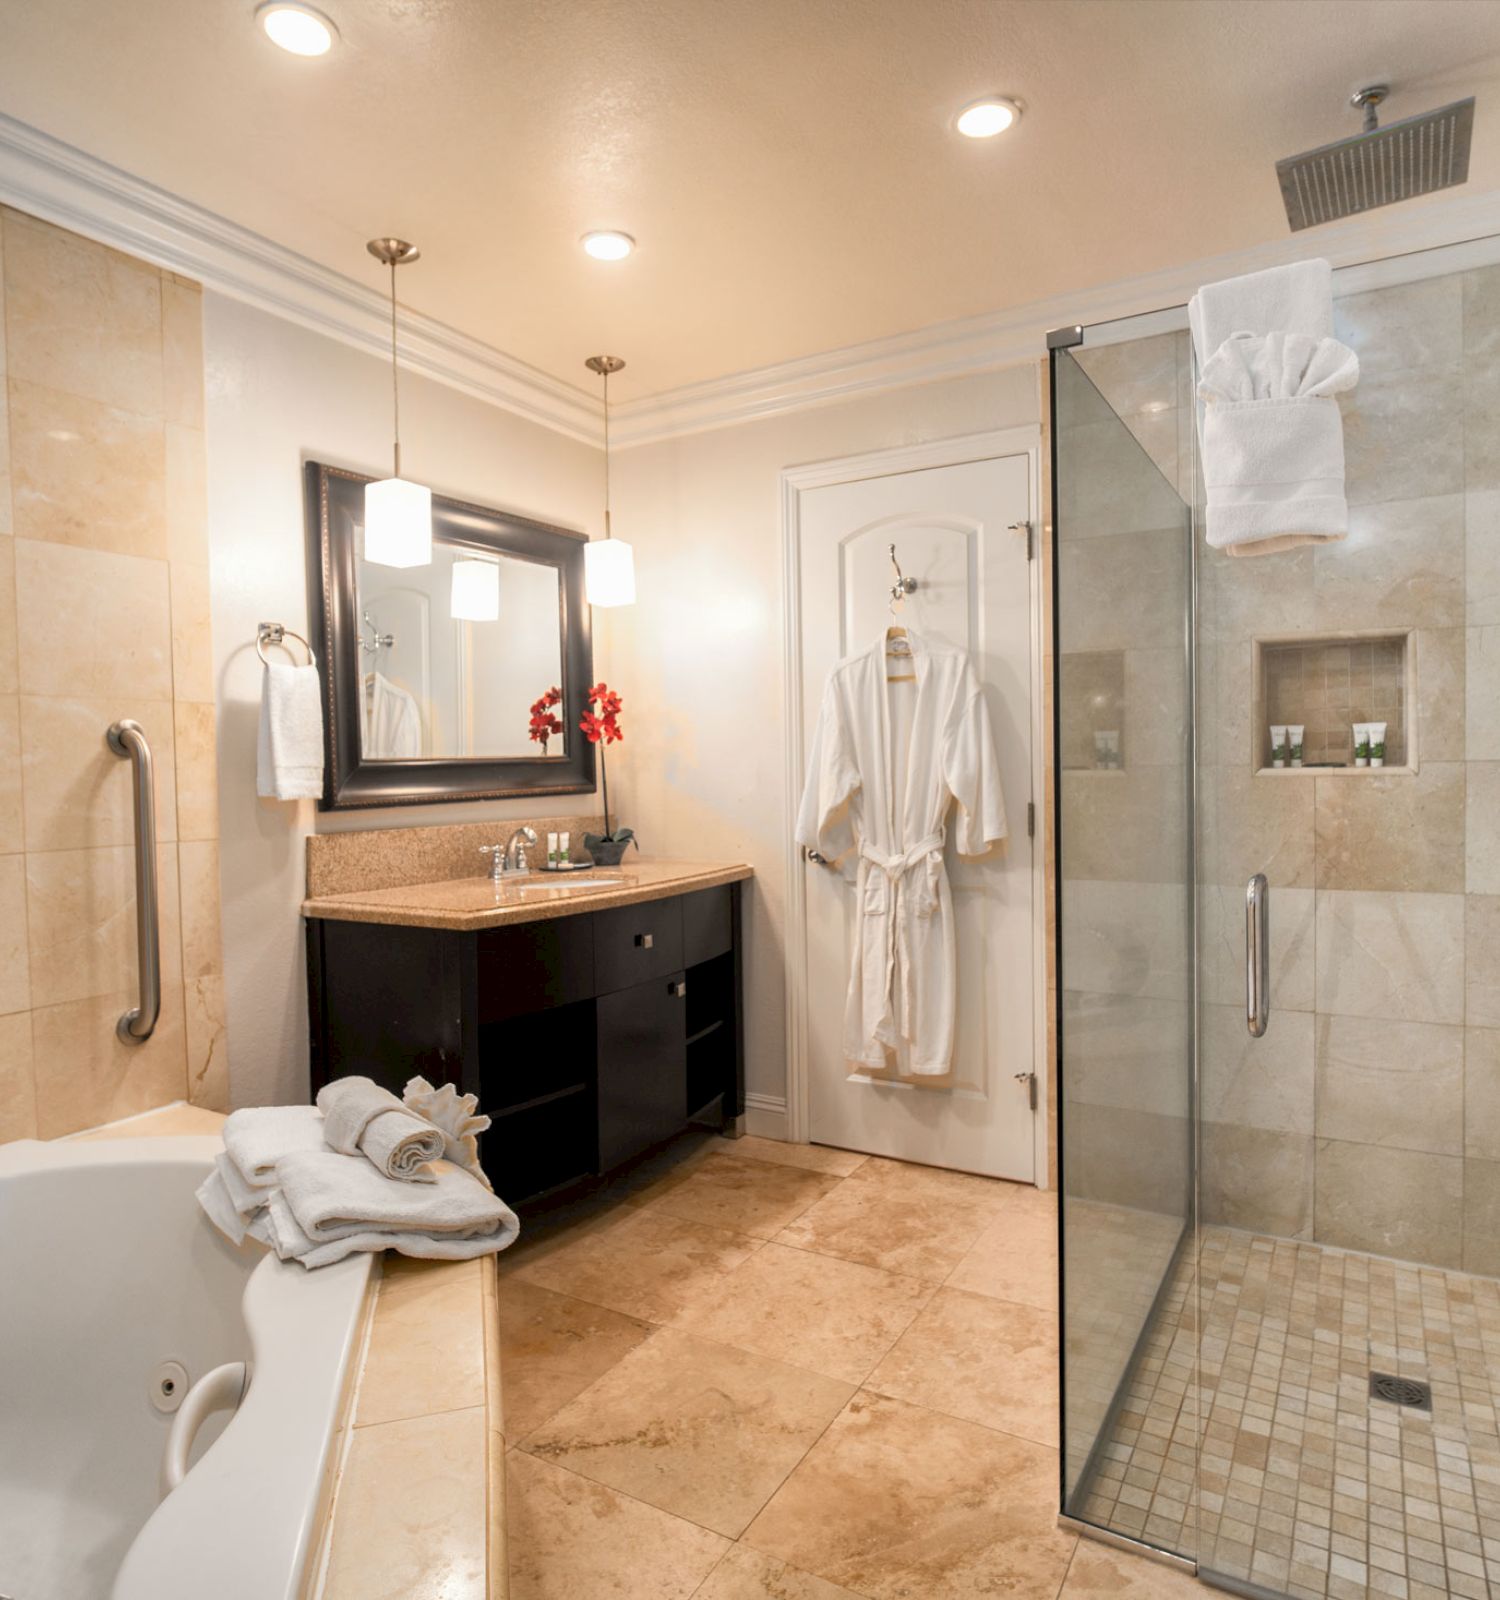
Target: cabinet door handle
[[678, 988], [645, 941]]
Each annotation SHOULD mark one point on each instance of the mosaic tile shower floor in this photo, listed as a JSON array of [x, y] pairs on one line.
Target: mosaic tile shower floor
[[1310, 1487]]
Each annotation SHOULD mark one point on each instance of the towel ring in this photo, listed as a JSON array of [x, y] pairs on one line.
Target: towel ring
[[274, 633]]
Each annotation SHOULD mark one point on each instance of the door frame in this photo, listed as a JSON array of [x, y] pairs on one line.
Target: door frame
[[972, 447]]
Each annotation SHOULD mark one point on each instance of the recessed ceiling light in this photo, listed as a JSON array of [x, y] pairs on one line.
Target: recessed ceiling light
[[987, 117], [606, 244], [300, 29]]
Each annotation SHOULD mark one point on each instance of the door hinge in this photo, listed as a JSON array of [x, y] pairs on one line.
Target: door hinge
[[1030, 531], [1029, 1079], [1031, 819]]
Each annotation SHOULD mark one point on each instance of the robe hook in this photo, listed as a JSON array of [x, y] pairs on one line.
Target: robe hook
[[903, 585]]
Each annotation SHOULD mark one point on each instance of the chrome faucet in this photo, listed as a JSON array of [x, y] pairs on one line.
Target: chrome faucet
[[510, 857]]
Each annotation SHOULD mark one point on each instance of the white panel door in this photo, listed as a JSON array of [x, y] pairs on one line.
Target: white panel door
[[952, 530]]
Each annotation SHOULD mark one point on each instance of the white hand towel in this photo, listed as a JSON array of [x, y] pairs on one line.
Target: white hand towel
[[361, 1118], [256, 1139], [289, 755], [333, 1196], [1292, 299], [285, 1236], [235, 1207]]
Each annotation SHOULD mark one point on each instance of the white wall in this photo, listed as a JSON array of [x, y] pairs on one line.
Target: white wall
[[698, 658], [276, 396]]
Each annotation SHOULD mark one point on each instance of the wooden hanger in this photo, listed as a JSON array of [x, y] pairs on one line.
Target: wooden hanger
[[898, 648]]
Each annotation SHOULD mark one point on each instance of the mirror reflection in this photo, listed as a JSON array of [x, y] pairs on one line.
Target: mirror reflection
[[454, 655]]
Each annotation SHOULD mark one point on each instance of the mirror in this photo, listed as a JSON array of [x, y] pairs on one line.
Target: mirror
[[457, 680]]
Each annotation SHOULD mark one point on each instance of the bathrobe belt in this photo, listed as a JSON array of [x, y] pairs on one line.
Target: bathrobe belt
[[902, 882]]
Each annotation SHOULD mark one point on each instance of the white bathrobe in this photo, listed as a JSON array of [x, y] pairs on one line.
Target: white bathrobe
[[887, 762]]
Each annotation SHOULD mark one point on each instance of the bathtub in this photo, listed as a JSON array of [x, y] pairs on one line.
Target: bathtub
[[108, 1269]]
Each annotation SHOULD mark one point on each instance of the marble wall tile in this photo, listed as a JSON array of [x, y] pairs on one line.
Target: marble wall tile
[[1483, 828], [1482, 706], [1481, 315], [10, 675], [1251, 824], [1125, 827], [1403, 1203], [15, 958], [1482, 1217], [1394, 1084], [1257, 1179], [1126, 938], [1398, 956], [82, 317], [1264, 1083], [1128, 1051], [86, 474], [92, 622], [80, 912], [1113, 486], [186, 480], [17, 1087], [182, 351], [1251, 598], [1441, 661], [1401, 566], [1401, 832], [1135, 374], [6, 526], [1482, 1093], [1481, 383], [85, 1075], [1405, 440], [1156, 707], [78, 792], [1482, 960], [1407, 325], [1138, 1159], [198, 877], [206, 1042], [1482, 585], [1093, 701], [1123, 592], [192, 634], [1221, 946], [197, 770], [12, 810]]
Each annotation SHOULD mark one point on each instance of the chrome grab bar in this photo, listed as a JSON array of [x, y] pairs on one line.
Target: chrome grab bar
[[1257, 955], [128, 740]]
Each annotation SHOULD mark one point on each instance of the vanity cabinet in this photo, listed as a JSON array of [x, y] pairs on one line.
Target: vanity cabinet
[[588, 1038]]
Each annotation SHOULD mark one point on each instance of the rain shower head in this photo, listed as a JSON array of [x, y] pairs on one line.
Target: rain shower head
[[1378, 166]]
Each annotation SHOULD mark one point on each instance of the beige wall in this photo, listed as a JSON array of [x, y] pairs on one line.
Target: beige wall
[[278, 395], [104, 613], [699, 657]]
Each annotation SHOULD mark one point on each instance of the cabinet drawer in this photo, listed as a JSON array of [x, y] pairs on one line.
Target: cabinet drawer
[[707, 925], [535, 965], [634, 943]]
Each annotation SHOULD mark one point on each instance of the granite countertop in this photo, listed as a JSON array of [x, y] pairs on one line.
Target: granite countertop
[[466, 904]]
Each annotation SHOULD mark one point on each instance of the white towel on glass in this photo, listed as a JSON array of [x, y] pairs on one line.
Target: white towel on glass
[[289, 753]]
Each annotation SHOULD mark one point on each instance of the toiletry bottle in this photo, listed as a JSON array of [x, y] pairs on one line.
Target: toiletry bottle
[[1376, 731], [1294, 733], [1361, 744], [1278, 744], [562, 849], [552, 851]]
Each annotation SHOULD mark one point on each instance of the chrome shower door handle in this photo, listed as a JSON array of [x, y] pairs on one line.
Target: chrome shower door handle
[[1257, 955], [128, 741]]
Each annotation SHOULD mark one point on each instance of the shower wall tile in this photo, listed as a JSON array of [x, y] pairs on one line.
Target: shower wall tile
[[86, 474], [1255, 596], [92, 622], [1482, 582], [1254, 1178], [15, 962], [1404, 440], [1264, 1083], [187, 495], [10, 675], [1402, 1203], [197, 771], [1257, 824], [1221, 946], [198, 877], [1481, 398], [1091, 505], [1136, 374], [1482, 718], [81, 317], [1441, 660], [182, 351], [1397, 956], [78, 792], [1115, 1046], [1482, 1093], [1131, 938], [1407, 325], [12, 819], [6, 526], [1401, 566], [1484, 827], [1403, 832], [1482, 1217], [17, 1083], [1481, 316], [1482, 960], [1125, 592], [1138, 1159], [192, 636], [1399, 1085], [206, 1042], [1156, 698], [1146, 806]]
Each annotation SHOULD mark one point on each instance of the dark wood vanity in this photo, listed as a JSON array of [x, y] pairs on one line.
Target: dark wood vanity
[[589, 1032]]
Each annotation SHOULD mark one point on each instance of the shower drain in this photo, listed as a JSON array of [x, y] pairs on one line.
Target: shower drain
[[1400, 1391]]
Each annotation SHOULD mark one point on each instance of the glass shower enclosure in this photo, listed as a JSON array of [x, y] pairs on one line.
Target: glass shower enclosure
[[1281, 1320]]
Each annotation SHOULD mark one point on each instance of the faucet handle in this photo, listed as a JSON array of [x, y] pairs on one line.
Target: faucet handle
[[496, 853]]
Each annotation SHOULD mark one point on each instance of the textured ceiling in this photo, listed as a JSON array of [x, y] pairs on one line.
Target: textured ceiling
[[787, 165]]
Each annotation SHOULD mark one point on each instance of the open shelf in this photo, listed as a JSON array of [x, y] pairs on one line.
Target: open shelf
[[1327, 683]]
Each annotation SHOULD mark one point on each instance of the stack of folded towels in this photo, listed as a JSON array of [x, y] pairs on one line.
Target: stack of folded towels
[[361, 1170]]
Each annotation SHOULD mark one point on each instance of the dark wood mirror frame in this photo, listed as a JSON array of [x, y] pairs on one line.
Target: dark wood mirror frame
[[335, 506]]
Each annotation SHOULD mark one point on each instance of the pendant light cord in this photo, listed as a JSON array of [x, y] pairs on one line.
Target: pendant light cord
[[607, 533], [395, 380]]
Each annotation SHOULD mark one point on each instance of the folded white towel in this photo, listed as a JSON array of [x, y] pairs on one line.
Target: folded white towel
[[333, 1196], [361, 1118], [286, 1237], [289, 754], [1292, 299], [256, 1139], [236, 1208]]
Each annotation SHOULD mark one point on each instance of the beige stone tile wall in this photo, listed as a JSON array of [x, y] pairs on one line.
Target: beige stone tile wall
[[104, 613]]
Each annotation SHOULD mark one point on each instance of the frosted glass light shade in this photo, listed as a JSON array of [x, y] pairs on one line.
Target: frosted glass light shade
[[476, 591], [609, 573], [398, 523]]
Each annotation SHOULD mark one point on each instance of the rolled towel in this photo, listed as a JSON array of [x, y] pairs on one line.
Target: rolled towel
[[289, 752], [333, 1196], [457, 1116], [361, 1118], [286, 1237], [257, 1138]]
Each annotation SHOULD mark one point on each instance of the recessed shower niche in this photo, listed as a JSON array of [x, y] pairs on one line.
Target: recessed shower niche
[[1328, 686], [1093, 719]]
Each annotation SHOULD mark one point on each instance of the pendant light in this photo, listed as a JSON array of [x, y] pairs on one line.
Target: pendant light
[[608, 563], [476, 590], [398, 513]]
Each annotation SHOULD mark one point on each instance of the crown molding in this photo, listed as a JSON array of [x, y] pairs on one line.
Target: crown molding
[[55, 181]]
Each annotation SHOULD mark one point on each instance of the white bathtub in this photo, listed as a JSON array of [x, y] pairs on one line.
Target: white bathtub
[[107, 1269]]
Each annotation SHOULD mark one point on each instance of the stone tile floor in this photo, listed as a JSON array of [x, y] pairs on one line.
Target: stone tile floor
[[1309, 1487], [756, 1371]]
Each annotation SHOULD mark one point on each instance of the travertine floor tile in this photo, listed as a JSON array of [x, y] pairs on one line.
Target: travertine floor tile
[[1099, 1573], [1015, 1258], [427, 1344], [746, 1574], [814, 1157], [736, 1192]]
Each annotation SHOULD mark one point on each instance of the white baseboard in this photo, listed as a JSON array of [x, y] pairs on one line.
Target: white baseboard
[[765, 1116]]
